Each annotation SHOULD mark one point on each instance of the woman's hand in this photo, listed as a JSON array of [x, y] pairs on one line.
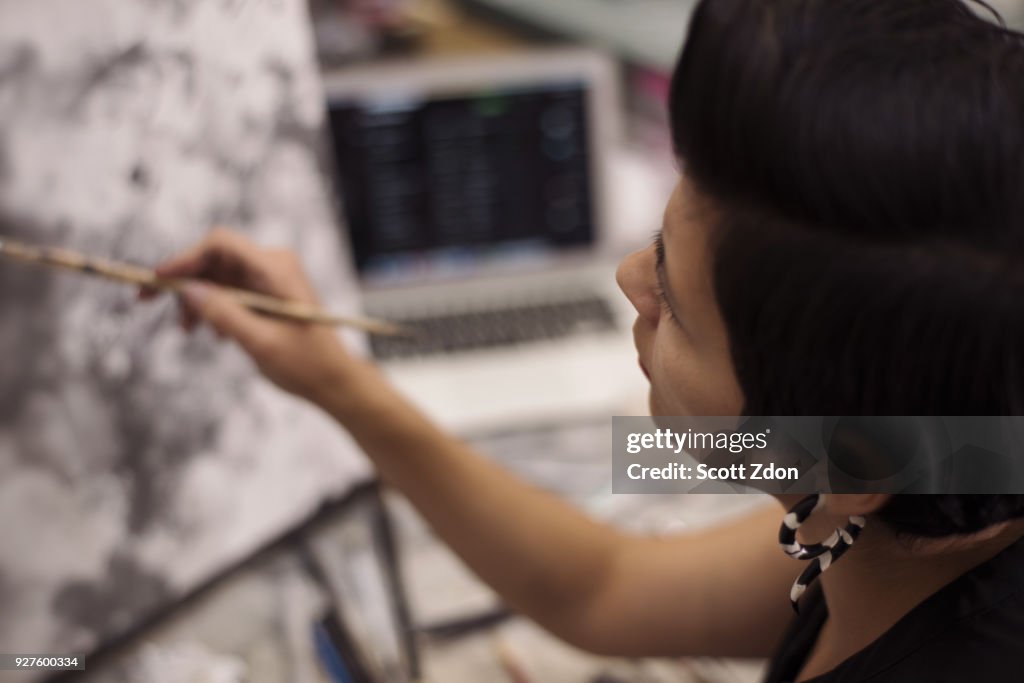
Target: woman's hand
[[307, 360]]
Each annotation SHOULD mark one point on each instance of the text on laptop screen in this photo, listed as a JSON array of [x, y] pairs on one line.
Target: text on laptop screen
[[446, 182]]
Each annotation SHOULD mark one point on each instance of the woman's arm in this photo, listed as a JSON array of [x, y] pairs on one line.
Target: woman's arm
[[720, 592]]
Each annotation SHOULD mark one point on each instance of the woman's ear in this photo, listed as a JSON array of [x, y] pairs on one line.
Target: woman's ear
[[849, 505]]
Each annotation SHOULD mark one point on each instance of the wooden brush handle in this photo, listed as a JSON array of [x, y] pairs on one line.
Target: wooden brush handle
[[143, 277]]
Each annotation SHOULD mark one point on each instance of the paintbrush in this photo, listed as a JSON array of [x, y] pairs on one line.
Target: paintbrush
[[143, 277]]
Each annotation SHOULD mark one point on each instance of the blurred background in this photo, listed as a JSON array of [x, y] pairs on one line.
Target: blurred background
[[472, 168]]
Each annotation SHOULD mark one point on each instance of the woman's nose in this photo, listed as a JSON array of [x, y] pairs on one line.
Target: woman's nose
[[636, 280]]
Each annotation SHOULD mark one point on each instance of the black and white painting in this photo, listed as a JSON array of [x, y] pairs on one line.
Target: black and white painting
[[136, 461]]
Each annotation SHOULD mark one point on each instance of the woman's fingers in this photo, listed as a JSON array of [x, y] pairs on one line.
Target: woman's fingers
[[186, 264], [231, 260], [223, 253], [299, 358], [218, 257], [229, 318]]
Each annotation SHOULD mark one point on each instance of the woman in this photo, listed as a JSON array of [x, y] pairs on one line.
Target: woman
[[846, 238]]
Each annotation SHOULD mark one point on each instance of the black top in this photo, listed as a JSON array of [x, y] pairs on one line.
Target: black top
[[971, 630]]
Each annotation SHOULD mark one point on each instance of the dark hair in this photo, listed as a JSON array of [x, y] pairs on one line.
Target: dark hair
[[865, 160]]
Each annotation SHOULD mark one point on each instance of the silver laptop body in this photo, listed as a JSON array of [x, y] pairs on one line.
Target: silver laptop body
[[476, 200]]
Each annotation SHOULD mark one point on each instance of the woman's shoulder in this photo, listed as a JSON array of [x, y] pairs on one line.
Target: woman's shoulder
[[983, 646], [971, 630]]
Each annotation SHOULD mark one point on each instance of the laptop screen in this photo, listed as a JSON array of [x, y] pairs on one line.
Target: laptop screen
[[442, 184]]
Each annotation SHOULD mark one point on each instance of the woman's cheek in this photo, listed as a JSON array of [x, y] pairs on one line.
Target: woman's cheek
[[683, 386], [669, 388]]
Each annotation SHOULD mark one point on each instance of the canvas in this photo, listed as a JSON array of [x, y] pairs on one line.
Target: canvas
[[136, 461]]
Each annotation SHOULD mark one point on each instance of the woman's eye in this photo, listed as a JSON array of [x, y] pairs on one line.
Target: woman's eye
[[659, 292], [665, 306], [659, 250]]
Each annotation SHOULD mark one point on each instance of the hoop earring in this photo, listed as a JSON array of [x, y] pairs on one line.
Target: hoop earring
[[824, 553]]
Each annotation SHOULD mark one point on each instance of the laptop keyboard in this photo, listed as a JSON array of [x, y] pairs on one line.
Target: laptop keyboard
[[495, 328]]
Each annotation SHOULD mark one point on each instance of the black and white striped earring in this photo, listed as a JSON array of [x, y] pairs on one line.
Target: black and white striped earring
[[824, 553]]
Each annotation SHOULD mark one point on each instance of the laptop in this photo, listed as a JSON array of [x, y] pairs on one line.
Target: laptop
[[474, 196]]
